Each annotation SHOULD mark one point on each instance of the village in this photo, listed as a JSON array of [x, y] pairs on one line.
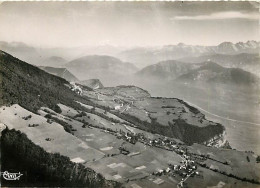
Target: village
[[186, 169]]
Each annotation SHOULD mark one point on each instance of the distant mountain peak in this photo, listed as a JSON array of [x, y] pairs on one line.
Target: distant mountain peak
[[56, 58], [169, 69], [212, 72], [181, 44], [99, 57], [54, 61], [226, 43], [103, 67]]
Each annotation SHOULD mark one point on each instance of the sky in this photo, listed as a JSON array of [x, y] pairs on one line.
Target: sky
[[72, 24]]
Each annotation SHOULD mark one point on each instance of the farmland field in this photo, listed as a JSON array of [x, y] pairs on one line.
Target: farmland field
[[100, 149]]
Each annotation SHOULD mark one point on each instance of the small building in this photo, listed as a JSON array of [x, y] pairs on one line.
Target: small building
[[118, 107]]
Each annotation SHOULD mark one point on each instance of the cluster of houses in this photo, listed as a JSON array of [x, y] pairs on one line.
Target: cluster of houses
[[186, 169], [128, 136], [33, 125], [77, 89], [121, 105], [123, 150]]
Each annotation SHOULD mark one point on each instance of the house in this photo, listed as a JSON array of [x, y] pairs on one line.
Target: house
[[119, 106], [76, 88], [160, 170], [168, 170]]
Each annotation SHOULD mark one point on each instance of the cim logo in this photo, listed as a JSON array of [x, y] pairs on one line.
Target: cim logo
[[11, 176]]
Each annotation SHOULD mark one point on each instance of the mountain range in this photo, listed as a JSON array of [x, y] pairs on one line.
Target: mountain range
[[139, 56], [145, 56], [214, 73], [246, 61], [200, 72]]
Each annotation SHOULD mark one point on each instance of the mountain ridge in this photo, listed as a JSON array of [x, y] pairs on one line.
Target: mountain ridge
[[207, 71], [146, 56], [105, 68], [169, 69], [61, 72], [246, 61], [215, 73], [54, 61]]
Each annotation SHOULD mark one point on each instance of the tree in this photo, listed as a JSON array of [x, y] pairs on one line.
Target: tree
[[57, 109], [247, 158], [258, 159]]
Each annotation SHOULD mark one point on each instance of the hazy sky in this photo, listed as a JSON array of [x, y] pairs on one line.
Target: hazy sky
[[128, 23]]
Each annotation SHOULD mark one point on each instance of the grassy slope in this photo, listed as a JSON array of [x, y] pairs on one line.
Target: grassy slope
[[33, 88]]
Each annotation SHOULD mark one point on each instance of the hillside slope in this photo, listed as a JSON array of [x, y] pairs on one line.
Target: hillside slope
[[31, 87]]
